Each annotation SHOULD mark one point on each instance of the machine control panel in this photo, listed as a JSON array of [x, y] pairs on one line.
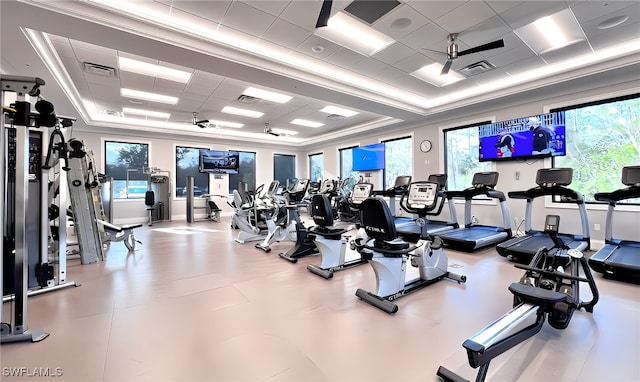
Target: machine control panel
[[360, 192], [422, 194]]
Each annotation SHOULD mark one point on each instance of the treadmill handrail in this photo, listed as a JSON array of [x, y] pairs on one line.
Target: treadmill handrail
[[471, 192], [539, 191], [618, 195]]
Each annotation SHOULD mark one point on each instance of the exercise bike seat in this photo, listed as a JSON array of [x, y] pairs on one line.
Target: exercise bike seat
[[537, 296], [322, 216]]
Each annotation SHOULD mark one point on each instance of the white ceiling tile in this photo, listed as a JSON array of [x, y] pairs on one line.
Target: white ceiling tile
[[434, 9], [246, 19], [487, 31], [286, 34], [345, 58], [530, 11], [63, 48], [415, 62], [489, 76], [589, 10], [210, 10], [386, 26], [166, 84], [622, 34], [272, 7], [591, 30], [394, 53], [510, 56], [302, 13], [525, 65], [313, 40], [136, 81], [425, 37], [465, 16], [568, 52], [502, 5]]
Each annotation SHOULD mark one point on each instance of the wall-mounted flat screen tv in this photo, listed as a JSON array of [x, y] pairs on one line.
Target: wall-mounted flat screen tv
[[368, 158], [219, 162], [536, 136]]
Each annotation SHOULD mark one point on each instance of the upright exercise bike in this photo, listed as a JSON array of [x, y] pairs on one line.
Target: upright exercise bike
[[388, 253], [330, 240], [550, 288]]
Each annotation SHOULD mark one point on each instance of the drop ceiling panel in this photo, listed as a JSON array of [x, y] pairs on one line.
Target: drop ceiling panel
[[302, 13], [489, 76], [510, 56], [525, 65], [501, 6], [286, 34], [623, 33], [136, 81], [272, 7], [345, 58], [529, 11], [415, 62], [590, 28], [210, 10], [171, 85], [568, 52], [386, 23], [589, 10], [313, 40], [247, 19], [434, 9], [394, 53], [425, 37], [465, 16]]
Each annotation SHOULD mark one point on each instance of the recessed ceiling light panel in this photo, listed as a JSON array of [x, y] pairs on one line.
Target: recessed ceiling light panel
[[154, 97], [152, 70], [346, 31], [431, 74], [268, 95], [304, 122], [551, 32], [146, 113], [242, 112], [339, 110]]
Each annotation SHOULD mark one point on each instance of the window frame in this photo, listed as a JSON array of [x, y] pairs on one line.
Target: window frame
[[579, 104], [175, 180], [104, 142], [385, 141], [310, 159]]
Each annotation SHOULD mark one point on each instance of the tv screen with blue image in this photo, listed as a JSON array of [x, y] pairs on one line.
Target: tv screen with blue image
[[368, 158], [219, 162], [540, 135]]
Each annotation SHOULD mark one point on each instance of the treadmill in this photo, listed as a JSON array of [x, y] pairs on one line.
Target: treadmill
[[553, 182], [399, 188], [424, 227], [619, 259], [474, 236]]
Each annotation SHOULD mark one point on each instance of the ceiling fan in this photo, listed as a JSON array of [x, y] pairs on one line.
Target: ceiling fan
[[325, 12], [453, 52], [268, 130], [204, 123]]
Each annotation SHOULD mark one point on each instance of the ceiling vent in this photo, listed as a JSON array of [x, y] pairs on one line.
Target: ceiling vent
[[248, 99], [335, 117], [101, 70], [371, 10], [477, 68]]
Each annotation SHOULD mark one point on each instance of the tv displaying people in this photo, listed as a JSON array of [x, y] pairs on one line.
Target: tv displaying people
[[529, 137], [219, 162]]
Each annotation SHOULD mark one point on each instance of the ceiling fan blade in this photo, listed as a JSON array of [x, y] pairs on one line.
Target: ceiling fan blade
[[201, 125], [435, 51], [325, 12], [445, 68], [481, 48], [200, 122]]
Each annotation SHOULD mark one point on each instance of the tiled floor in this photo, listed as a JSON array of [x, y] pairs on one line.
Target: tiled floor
[[193, 305]]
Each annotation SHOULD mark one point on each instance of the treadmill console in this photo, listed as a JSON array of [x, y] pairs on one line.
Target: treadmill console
[[326, 186], [554, 177], [485, 179], [551, 224], [631, 175], [422, 195], [361, 191]]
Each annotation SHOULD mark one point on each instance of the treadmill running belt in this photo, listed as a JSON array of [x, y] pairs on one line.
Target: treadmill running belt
[[626, 256]]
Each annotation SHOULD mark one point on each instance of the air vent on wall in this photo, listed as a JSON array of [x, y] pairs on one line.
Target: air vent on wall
[[248, 99], [101, 70], [477, 68]]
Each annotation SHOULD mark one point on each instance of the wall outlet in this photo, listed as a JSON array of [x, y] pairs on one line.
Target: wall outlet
[[596, 227]]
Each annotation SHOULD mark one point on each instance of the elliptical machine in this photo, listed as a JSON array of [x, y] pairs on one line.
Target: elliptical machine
[[388, 253], [550, 288], [331, 241], [280, 227], [303, 246]]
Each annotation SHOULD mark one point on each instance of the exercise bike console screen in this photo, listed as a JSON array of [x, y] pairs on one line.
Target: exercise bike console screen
[[360, 192]]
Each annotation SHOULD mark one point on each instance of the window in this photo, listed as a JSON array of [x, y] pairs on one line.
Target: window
[[187, 161], [602, 138], [397, 159], [284, 167], [316, 167], [346, 167], [461, 156], [246, 172], [127, 164]]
